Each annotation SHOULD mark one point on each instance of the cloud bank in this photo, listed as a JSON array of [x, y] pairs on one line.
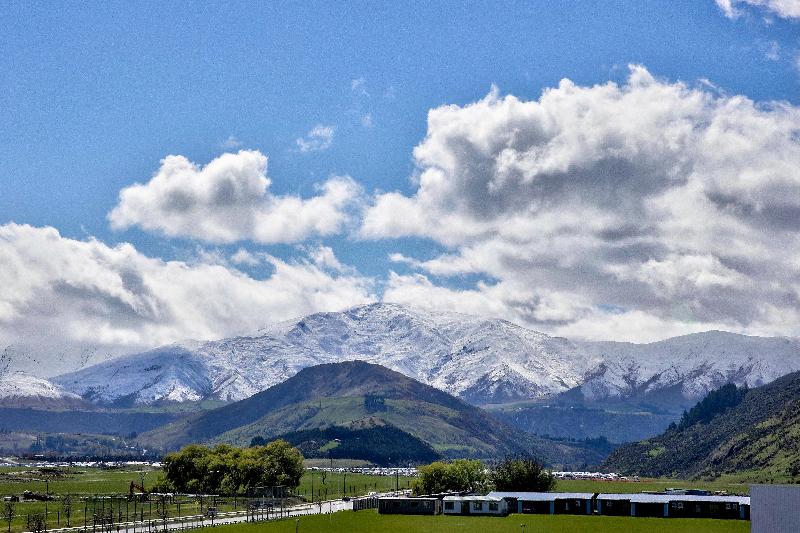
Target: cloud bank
[[60, 294], [610, 211], [228, 200]]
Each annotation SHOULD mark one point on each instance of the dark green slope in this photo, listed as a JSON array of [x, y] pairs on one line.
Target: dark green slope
[[342, 394], [370, 439], [98, 422], [758, 439]]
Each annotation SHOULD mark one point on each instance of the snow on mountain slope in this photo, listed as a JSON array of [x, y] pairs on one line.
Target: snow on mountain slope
[[170, 373], [18, 389], [694, 363], [480, 360]]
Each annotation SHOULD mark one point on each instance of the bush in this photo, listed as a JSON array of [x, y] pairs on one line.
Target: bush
[[522, 474], [461, 475]]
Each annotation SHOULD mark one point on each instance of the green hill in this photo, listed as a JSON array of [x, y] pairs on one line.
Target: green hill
[[754, 434], [369, 439], [350, 393]]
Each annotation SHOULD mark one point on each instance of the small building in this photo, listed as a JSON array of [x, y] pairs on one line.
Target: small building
[[408, 505], [474, 505], [548, 502], [674, 505], [775, 508]]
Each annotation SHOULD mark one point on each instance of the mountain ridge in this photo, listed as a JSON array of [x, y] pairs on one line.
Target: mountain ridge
[[358, 394], [480, 360]]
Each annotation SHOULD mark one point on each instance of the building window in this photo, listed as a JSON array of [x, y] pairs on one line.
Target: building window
[[477, 506], [493, 506], [449, 506], [677, 505]]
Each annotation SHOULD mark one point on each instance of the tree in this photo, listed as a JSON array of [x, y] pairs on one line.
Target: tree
[[66, 507], [230, 470], [162, 509], [36, 522], [715, 403], [283, 464], [8, 513], [461, 475], [522, 474]]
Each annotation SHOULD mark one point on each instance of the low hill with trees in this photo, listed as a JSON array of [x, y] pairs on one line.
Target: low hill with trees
[[354, 393], [752, 433]]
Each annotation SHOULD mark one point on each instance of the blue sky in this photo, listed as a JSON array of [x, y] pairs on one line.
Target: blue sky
[[93, 97]]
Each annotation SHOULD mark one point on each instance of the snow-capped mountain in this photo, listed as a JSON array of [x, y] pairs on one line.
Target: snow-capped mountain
[[18, 389], [480, 360]]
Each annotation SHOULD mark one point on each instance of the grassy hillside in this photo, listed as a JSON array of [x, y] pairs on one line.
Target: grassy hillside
[[758, 439], [618, 423], [348, 393]]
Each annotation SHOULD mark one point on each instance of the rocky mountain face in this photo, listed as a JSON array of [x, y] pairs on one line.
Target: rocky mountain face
[[483, 361]]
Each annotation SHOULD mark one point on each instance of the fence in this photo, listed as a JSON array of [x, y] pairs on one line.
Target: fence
[[370, 502]]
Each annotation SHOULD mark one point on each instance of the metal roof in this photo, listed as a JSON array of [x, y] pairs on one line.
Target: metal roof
[[667, 498], [408, 498], [543, 496], [486, 498]]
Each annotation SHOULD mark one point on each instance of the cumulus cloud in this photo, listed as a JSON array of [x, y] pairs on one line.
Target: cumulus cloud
[[788, 9], [319, 138], [60, 294], [229, 200], [654, 200]]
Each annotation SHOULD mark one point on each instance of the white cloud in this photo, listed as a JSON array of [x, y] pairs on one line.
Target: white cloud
[[62, 294], [663, 202], [319, 138], [231, 143], [243, 257], [789, 9], [229, 200]]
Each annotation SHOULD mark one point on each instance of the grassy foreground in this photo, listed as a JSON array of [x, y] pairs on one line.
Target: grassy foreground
[[372, 522], [732, 485], [85, 483]]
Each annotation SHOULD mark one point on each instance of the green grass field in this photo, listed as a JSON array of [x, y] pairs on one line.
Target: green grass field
[[85, 483], [734, 486], [371, 522]]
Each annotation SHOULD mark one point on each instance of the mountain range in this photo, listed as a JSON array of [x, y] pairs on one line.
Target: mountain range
[[483, 361]]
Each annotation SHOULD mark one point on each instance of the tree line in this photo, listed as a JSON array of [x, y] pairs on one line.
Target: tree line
[[471, 475], [230, 470], [715, 403]]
